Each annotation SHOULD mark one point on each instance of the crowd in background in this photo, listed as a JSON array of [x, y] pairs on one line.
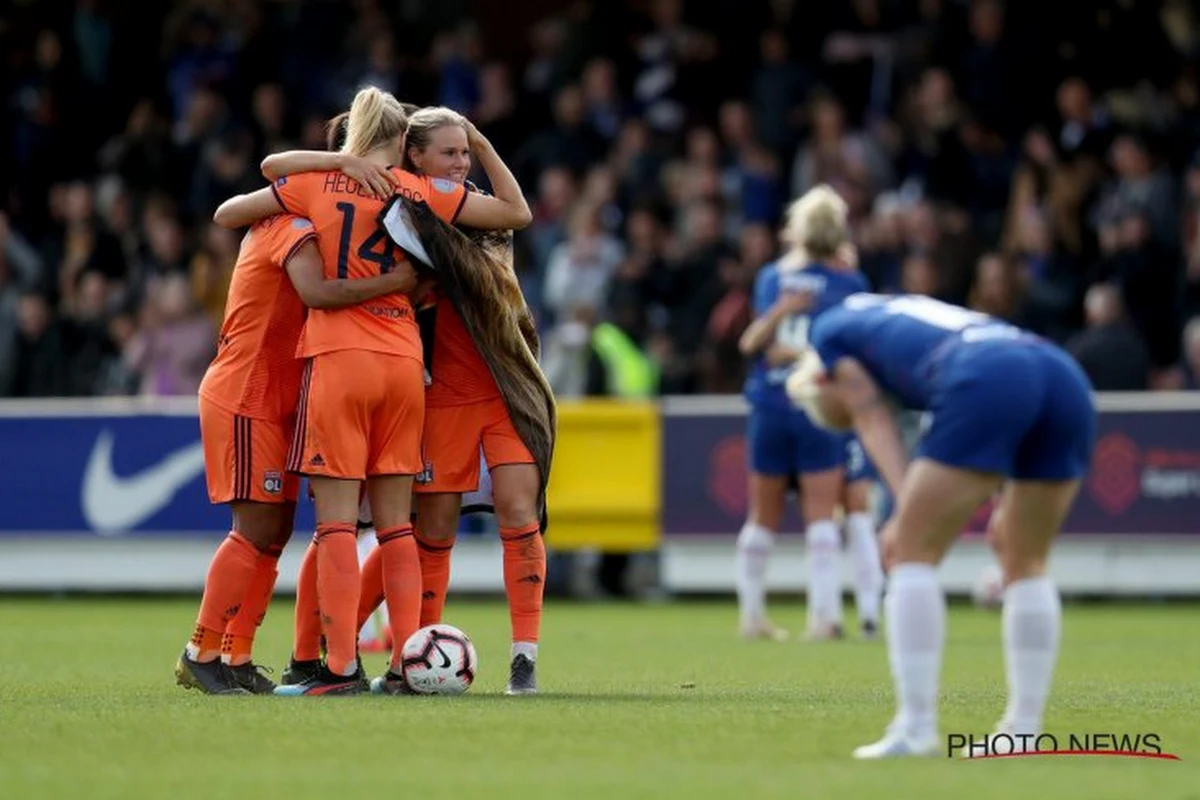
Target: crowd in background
[[1040, 162]]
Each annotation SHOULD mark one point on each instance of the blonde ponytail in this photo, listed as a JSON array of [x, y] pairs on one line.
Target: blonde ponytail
[[375, 118], [816, 225]]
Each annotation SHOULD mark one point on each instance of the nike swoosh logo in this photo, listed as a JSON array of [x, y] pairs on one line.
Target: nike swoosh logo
[[114, 504], [442, 653]]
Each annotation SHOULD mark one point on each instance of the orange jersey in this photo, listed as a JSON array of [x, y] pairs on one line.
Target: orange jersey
[[460, 375], [354, 245], [256, 373]]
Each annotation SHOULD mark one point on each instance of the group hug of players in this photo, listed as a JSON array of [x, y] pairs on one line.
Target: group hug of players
[[321, 372]]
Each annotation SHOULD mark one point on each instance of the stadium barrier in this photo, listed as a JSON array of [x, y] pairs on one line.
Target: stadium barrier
[[1135, 529], [108, 495], [605, 490]]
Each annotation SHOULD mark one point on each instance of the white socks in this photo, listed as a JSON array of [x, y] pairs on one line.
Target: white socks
[[1032, 621], [916, 632], [824, 546], [868, 571], [753, 549], [527, 649]]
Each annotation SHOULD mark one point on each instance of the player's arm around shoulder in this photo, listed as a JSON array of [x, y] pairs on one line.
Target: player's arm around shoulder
[[507, 209], [307, 273], [246, 209], [772, 308], [377, 179]]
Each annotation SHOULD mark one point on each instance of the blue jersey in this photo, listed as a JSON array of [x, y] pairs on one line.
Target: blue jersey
[[828, 287], [1003, 401], [900, 340]]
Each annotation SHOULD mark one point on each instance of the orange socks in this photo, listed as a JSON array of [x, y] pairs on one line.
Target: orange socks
[[307, 644], [337, 594], [435, 576], [229, 576], [524, 579], [239, 633], [401, 584], [372, 586]]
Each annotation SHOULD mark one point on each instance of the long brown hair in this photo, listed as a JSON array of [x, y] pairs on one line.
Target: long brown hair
[[476, 273]]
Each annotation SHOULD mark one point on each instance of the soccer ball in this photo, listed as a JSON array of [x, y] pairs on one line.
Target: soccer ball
[[988, 591], [439, 659]]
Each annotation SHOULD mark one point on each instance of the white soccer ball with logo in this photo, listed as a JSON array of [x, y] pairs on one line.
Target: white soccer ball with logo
[[439, 659]]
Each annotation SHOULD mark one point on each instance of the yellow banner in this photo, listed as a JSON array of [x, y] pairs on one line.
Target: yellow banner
[[605, 491]]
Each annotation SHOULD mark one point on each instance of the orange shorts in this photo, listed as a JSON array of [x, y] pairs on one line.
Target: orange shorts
[[360, 414], [454, 436], [244, 458]]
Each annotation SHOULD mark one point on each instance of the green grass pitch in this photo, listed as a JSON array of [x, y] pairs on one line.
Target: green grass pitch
[[639, 701]]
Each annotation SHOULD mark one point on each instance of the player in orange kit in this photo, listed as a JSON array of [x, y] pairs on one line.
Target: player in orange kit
[[465, 414], [362, 405], [247, 411]]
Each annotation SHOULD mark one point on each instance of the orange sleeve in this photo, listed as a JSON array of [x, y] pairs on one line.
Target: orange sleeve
[[445, 197], [288, 235], [295, 191]]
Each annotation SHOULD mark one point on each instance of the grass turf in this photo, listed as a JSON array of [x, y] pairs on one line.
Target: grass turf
[[646, 701]]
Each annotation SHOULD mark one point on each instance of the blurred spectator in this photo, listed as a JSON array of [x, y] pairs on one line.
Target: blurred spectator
[[556, 195], [175, 342], [778, 89], [751, 182], [19, 261], [579, 269], [837, 157], [10, 296], [934, 157], [636, 164], [569, 142], [995, 290], [212, 271], [991, 154], [38, 359], [918, 275], [141, 154], [227, 167], [269, 110], [671, 56], [1109, 348], [603, 107], [570, 363], [879, 239], [80, 243], [1147, 274], [495, 113], [164, 249], [1139, 185], [456, 55], [200, 59], [1083, 128], [733, 312], [991, 79], [88, 346]]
